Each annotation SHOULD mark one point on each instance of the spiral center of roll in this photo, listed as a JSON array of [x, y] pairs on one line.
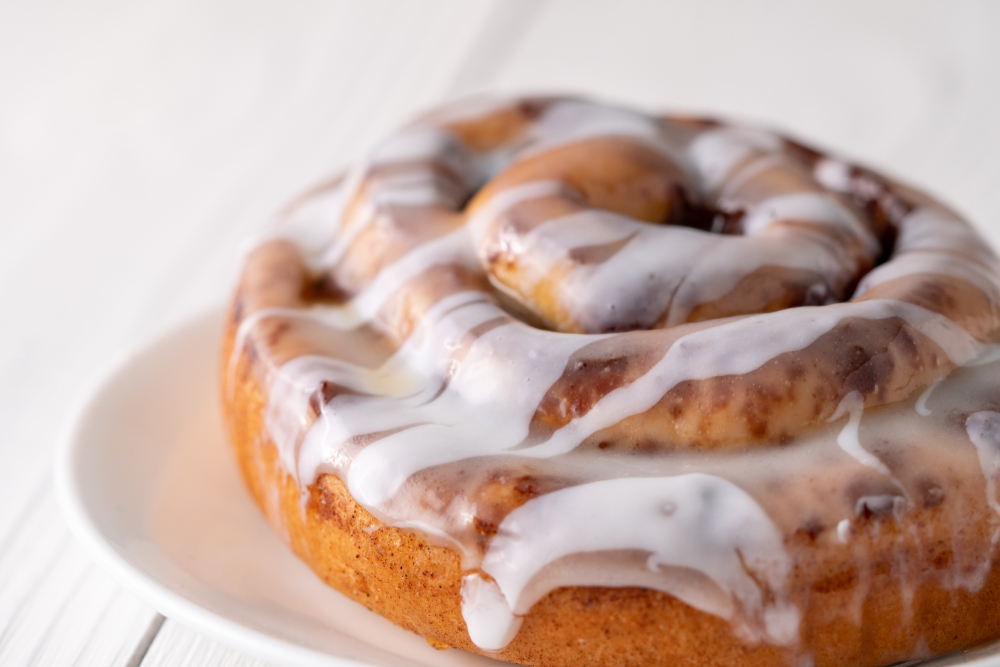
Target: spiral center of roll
[[703, 245], [607, 221]]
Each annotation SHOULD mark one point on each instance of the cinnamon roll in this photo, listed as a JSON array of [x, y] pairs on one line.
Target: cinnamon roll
[[565, 383]]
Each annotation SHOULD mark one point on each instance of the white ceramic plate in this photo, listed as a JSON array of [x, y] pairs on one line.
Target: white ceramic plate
[[148, 485]]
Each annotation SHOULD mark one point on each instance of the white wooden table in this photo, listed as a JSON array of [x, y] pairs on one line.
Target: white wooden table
[[140, 142]]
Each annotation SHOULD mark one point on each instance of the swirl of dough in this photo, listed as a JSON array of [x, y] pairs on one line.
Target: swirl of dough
[[730, 257]]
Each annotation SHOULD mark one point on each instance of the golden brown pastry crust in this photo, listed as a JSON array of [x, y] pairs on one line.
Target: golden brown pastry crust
[[417, 585]]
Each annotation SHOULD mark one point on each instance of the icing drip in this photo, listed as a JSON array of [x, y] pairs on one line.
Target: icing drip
[[247, 326], [921, 406], [492, 625], [476, 401], [984, 432], [716, 152], [834, 174], [707, 266], [740, 347], [443, 426], [694, 521], [848, 440], [844, 530]]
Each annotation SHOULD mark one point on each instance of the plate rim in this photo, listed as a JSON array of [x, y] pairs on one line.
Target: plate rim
[[82, 525], [159, 596]]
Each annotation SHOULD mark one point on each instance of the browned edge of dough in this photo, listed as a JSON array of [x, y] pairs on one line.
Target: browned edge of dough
[[416, 585]]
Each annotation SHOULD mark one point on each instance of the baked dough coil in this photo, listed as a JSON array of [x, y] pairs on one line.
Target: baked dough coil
[[551, 308], [596, 234]]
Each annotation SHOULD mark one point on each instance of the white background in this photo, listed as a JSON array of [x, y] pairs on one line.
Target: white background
[[140, 142]]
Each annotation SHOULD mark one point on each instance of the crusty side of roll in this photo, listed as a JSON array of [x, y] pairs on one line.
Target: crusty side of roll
[[416, 584]]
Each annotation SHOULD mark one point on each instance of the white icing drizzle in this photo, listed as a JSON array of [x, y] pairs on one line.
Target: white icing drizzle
[[452, 248], [694, 521], [728, 259], [882, 504], [932, 242], [988, 355], [481, 220], [921, 651], [844, 531], [491, 623], [833, 173], [246, 326], [574, 120], [739, 347], [288, 406], [984, 432], [600, 295], [921, 405], [854, 404], [477, 400], [571, 121], [422, 143], [635, 286], [419, 184], [553, 240], [705, 266], [418, 188], [924, 263], [806, 207], [716, 152], [935, 230], [750, 170]]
